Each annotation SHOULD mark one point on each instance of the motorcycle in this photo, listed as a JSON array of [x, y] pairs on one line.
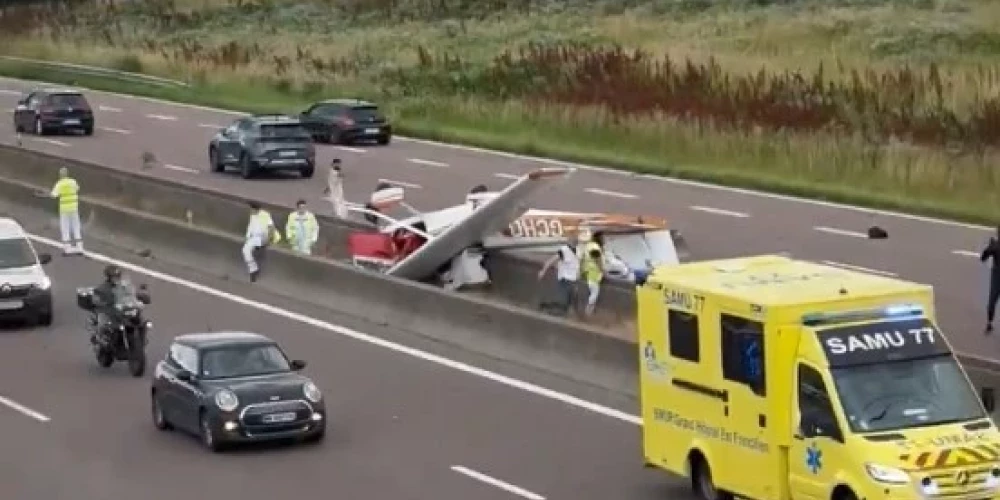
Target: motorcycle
[[125, 335]]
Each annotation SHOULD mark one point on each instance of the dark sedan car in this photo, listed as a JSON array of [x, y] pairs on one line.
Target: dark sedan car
[[346, 121], [235, 387], [54, 110]]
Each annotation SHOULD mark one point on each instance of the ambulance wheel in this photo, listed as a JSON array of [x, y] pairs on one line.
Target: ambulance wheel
[[701, 481], [844, 493]]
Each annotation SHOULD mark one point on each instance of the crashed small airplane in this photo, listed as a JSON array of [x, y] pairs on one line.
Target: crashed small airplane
[[448, 245]]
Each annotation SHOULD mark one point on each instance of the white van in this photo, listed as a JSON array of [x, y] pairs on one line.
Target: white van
[[25, 289]]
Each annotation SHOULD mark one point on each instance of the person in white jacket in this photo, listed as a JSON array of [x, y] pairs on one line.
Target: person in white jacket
[[335, 189]]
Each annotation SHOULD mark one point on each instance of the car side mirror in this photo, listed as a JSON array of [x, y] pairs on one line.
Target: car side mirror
[[44, 258], [185, 376], [298, 364], [988, 398]]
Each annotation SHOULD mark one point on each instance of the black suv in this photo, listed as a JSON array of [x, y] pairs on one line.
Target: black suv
[[54, 110], [345, 121], [263, 142]]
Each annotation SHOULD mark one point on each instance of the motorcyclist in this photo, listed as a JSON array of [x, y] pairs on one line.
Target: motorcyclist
[[105, 300]]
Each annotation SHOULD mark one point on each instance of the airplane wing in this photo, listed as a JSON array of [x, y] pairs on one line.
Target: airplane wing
[[488, 219]]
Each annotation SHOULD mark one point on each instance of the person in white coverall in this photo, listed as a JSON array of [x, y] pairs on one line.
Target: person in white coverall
[[260, 233], [67, 191], [335, 189], [301, 229]]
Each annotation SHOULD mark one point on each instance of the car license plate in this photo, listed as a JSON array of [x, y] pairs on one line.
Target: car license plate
[[287, 154], [71, 122], [9, 305], [371, 130], [277, 418]]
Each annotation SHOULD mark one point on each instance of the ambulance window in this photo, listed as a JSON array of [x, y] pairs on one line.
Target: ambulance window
[[814, 402], [682, 328], [743, 352]]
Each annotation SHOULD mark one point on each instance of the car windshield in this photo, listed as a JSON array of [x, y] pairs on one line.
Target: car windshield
[[901, 394], [243, 361], [67, 100], [16, 252], [292, 132]]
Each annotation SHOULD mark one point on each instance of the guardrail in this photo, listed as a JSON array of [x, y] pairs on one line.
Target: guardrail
[[99, 71]]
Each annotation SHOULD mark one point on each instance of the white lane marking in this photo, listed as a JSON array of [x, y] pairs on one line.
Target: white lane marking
[[840, 232], [109, 109], [613, 194], [719, 211], [581, 166], [858, 268], [210, 125], [965, 253], [24, 410], [10, 92], [492, 481], [180, 168], [348, 148], [52, 141], [116, 130], [402, 184], [363, 337], [502, 175], [429, 163], [162, 117]]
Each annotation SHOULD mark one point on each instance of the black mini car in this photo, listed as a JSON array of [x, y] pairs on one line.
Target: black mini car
[[235, 387]]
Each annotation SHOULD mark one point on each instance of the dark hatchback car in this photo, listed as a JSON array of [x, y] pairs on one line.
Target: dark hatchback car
[[54, 111], [346, 121], [235, 387], [263, 143]]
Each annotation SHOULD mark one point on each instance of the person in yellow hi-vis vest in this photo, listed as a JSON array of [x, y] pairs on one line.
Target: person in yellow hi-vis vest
[[592, 268], [301, 229], [67, 191], [260, 233]]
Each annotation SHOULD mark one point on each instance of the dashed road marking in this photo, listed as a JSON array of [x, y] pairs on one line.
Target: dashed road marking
[[840, 232], [859, 268], [492, 481], [109, 109], [10, 92], [53, 142], [613, 194], [348, 148], [719, 211], [965, 253], [116, 130], [502, 175], [180, 168], [402, 184], [162, 117], [429, 163], [23, 410], [210, 125]]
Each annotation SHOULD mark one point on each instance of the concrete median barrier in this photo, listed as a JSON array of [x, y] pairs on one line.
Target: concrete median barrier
[[514, 280], [524, 337]]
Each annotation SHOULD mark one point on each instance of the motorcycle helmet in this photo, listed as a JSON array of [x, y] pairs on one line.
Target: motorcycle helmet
[[112, 272]]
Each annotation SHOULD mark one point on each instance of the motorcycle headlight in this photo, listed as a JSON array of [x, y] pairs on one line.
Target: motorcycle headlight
[[311, 392], [44, 284], [889, 475], [226, 400]]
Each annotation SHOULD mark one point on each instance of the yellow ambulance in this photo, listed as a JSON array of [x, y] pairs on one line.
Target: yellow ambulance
[[772, 378]]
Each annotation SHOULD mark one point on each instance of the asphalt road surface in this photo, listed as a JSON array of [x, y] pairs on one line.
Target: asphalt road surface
[[717, 222]]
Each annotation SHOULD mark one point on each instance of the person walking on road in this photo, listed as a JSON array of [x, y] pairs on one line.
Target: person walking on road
[[567, 273], [335, 189], [67, 191], [260, 234], [992, 251], [301, 229]]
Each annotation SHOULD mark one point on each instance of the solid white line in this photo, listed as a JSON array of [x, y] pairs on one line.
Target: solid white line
[[116, 130], [858, 268], [561, 163], [52, 141], [180, 168], [429, 163], [402, 184], [965, 253], [109, 109], [24, 410], [492, 481], [348, 148], [719, 211], [613, 194], [502, 175], [210, 125], [162, 117], [840, 232], [363, 337]]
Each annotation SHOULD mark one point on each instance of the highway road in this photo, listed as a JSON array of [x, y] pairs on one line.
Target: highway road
[[717, 222]]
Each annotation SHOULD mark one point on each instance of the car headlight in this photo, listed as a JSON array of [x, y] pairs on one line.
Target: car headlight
[[226, 400], [44, 284], [311, 392], [889, 475]]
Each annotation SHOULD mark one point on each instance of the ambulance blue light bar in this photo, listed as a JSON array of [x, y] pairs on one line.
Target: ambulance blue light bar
[[893, 311]]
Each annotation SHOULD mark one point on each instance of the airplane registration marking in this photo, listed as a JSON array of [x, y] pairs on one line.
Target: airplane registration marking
[[536, 228]]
